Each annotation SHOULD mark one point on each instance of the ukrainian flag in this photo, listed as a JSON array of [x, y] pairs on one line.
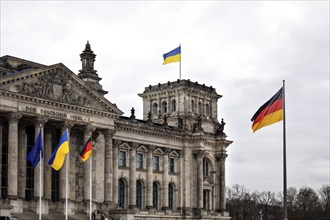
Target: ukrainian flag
[[172, 56], [58, 156]]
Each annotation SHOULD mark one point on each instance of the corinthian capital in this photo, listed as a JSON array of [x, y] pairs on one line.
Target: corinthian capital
[[199, 153], [14, 116], [221, 157], [89, 128], [67, 124], [108, 133], [41, 121], [116, 143]]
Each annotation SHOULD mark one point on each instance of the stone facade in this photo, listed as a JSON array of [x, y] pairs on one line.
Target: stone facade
[[169, 165]]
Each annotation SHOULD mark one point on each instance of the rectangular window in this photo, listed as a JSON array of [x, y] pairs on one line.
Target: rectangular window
[[156, 163], [171, 165], [29, 180], [139, 161], [55, 185], [122, 158], [205, 168]]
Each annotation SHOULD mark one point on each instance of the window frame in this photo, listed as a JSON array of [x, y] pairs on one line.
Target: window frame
[[122, 162], [156, 164], [139, 161], [171, 166]]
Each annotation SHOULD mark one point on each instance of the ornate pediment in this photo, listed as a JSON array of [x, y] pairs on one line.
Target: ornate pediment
[[57, 83], [158, 151], [142, 148], [207, 181]]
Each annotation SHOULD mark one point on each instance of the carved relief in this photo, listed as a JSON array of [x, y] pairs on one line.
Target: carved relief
[[54, 86]]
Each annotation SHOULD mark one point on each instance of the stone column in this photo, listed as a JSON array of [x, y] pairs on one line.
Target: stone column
[[200, 155], [87, 134], [165, 180], [98, 167], [180, 180], [132, 176], [22, 161], [108, 166], [67, 125], [149, 177], [187, 158], [47, 169], [222, 182], [115, 171], [13, 153], [39, 124]]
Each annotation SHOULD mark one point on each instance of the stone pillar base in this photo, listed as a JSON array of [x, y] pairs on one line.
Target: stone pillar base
[[17, 206], [199, 211], [71, 207], [186, 211], [5, 209], [44, 207]]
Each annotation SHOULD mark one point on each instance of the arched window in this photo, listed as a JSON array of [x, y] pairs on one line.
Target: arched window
[[154, 109], [170, 195], [192, 105], [173, 105], [200, 108], [121, 193], [138, 194], [155, 195], [205, 168], [164, 106], [207, 109]]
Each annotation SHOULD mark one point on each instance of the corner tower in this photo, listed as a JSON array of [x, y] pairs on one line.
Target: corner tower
[[87, 73], [182, 103]]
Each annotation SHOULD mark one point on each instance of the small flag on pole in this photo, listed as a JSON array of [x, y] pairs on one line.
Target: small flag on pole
[[172, 56], [269, 113], [58, 156], [87, 151], [34, 155]]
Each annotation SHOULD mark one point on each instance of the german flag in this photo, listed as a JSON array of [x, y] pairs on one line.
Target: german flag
[[269, 113], [87, 151]]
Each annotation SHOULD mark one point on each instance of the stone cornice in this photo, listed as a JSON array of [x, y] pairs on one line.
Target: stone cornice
[[174, 91], [167, 133], [61, 105], [68, 73]]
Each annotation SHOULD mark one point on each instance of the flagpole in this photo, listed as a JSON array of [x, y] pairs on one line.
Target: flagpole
[[66, 180], [180, 62], [40, 173], [284, 158], [90, 185]]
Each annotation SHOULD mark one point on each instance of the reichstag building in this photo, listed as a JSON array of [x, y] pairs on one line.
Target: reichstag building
[[169, 165]]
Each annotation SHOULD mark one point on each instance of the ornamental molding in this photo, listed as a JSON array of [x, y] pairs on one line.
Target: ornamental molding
[[54, 85], [64, 106]]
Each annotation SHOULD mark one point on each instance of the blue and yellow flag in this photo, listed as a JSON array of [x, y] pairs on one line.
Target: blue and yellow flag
[[34, 155], [58, 156], [172, 56]]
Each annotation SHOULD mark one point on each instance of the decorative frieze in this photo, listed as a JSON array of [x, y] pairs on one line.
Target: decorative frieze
[[54, 86]]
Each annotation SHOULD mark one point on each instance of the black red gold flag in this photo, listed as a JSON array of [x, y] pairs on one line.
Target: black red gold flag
[[269, 113], [87, 151]]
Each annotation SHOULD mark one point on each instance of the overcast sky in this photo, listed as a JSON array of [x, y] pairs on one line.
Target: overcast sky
[[242, 48]]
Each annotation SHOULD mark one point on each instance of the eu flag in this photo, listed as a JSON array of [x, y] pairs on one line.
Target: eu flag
[[34, 155]]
